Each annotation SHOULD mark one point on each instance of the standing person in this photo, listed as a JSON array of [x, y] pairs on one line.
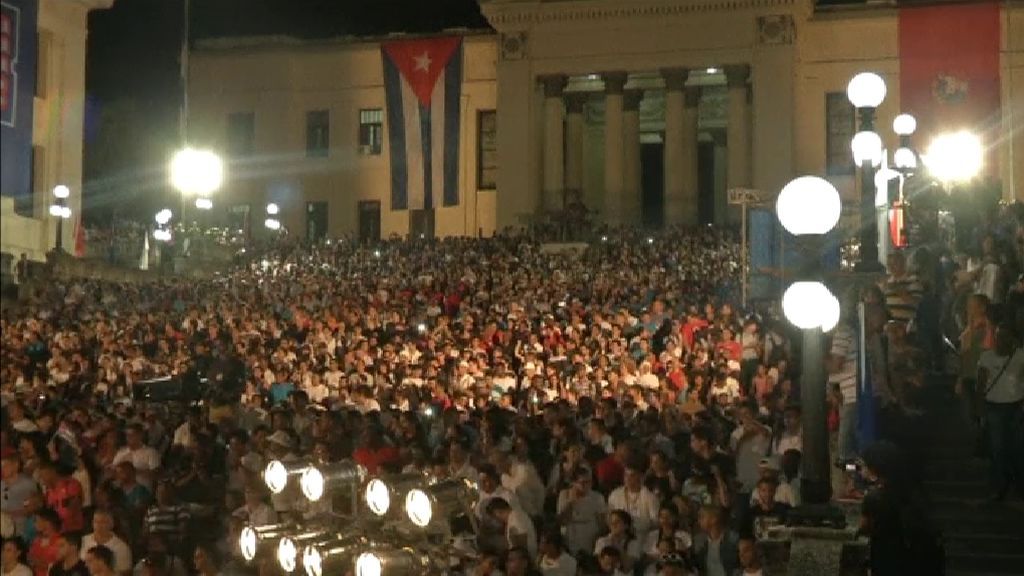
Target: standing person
[[978, 336], [103, 536], [639, 502], [581, 511], [100, 561], [519, 529], [1001, 381], [144, 458], [716, 548], [11, 562], [70, 561], [64, 496], [15, 490], [45, 548], [554, 560], [842, 374]]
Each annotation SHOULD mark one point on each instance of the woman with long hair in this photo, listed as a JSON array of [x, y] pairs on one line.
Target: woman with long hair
[[621, 537]]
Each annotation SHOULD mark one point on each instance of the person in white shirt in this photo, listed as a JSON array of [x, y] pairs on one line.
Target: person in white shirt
[[648, 380], [103, 534], [13, 555], [519, 529], [488, 488], [622, 538], [1001, 379], [581, 512], [144, 458], [522, 479], [639, 502], [554, 560]]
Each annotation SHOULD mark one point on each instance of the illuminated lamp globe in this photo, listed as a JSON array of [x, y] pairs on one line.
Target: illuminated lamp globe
[[61, 191], [204, 203], [378, 497], [368, 564], [287, 554], [196, 172], [163, 217], [809, 205], [866, 90], [247, 543], [272, 224], [955, 157], [56, 210], [809, 305], [419, 508], [904, 125], [273, 209], [867, 147], [276, 476], [905, 159]]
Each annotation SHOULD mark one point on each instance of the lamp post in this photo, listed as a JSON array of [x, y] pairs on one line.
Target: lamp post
[[60, 210], [809, 207], [272, 223], [866, 92]]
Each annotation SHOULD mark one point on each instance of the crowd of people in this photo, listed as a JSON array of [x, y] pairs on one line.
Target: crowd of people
[[616, 408]]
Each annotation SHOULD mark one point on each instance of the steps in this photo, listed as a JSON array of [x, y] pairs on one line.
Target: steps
[[981, 538]]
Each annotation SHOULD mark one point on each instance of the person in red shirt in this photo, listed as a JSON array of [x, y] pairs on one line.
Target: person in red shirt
[[45, 548], [694, 323], [64, 496], [728, 347], [375, 453], [611, 471]]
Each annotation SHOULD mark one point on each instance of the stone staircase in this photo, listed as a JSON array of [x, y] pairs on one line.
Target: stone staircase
[[981, 538]]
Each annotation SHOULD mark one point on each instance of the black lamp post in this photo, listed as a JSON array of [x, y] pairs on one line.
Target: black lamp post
[[866, 92]]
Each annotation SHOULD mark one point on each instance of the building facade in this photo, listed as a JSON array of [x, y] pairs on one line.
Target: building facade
[[645, 111], [53, 150]]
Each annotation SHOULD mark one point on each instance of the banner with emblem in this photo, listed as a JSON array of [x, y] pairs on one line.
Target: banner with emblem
[[17, 89], [423, 85], [949, 69]]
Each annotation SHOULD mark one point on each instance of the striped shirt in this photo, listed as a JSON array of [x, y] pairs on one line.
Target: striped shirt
[[844, 344], [902, 296]]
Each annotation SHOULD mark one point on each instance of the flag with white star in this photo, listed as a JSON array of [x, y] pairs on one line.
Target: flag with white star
[[423, 86]]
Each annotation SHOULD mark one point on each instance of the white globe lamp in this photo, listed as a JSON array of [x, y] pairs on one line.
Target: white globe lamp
[[866, 90], [905, 159], [273, 209], [809, 205], [867, 147], [810, 305], [904, 125], [61, 191]]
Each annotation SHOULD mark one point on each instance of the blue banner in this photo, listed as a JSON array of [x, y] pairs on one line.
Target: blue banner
[[17, 90]]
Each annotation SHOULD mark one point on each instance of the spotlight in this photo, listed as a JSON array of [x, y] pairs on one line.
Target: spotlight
[[443, 499], [315, 480], [253, 538], [381, 493], [277, 472], [331, 554], [288, 547], [396, 562], [204, 203]]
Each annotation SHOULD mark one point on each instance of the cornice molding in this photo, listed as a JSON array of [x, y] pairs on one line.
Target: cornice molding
[[516, 13]]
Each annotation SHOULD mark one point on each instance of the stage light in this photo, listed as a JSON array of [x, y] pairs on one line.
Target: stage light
[[331, 553], [443, 499], [287, 554], [252, 538], [277, 472], [291, 544], [315, 480], [381, 493], [394, 562]]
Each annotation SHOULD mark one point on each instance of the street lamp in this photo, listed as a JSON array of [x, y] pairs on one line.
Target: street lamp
[[809, 207], [196, 172], [272, 223], [61, 211], [866, 92]]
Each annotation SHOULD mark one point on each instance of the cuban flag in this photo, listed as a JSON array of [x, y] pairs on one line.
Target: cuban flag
[[423, 84]]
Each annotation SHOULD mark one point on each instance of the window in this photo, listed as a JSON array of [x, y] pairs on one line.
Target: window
[[486, 150], [241, 133], [840, 124], [371, 131], [318, 132]]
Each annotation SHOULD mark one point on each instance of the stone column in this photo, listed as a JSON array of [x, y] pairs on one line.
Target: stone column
[[632, 208], [614, 82], [738, 129], [675, 197], [690, 177], [574, 102], [554, 147]]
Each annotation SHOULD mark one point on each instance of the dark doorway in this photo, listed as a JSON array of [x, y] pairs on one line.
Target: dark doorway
[[652, 184], [706, 182], [316, 221], [369, 221], [421, 224]]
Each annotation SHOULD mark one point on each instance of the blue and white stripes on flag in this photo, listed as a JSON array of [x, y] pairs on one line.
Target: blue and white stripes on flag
[[423, 85]]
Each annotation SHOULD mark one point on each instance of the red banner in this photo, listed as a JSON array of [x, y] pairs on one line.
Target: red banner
[[949, 69]]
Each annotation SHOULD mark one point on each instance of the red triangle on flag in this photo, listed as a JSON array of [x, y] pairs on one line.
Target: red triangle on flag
[[420, 62]]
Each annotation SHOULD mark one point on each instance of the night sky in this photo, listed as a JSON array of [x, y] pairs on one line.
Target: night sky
[[132, 75]]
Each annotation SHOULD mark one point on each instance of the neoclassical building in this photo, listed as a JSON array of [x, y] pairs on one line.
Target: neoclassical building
[[644, 111]]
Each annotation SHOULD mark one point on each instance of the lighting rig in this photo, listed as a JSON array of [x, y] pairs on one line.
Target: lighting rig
[[383, 525]]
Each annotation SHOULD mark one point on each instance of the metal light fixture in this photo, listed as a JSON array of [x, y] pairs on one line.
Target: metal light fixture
[[317, 479], [381, 493], [253, 539], [291, 544], [394, 562], [440, 500], [332, 553], [276, 474]]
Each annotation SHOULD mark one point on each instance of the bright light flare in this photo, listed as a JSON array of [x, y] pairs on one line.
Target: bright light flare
[[955, 157]]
